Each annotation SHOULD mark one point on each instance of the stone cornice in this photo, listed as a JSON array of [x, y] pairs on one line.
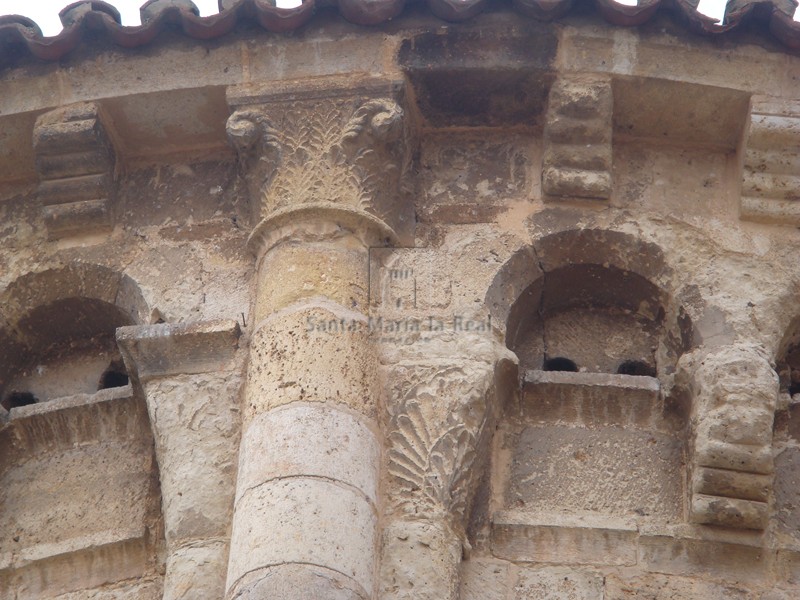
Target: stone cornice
[[83, 20]]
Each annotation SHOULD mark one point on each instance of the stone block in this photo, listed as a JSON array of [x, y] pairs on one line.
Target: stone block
[[787, 564], [196, 571], [557, 468], [304, 521], [729, 512], [313, 353], [485, 580], [696, 557], [554, 538], [592, 399], [290, 273], [787, 490], [66, 570], [473, 172], [736, 424], [310, 440], [420, 560], [748, 458], [731, 484], [558, 583], [660, 587]]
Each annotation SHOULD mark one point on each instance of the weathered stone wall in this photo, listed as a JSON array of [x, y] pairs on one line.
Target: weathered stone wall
[[499, 310]]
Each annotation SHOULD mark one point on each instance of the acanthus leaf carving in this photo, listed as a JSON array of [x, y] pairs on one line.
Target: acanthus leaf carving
[[438, 429], [332, 150]]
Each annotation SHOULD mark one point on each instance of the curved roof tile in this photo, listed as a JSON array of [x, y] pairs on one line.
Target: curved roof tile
[[87, 16]]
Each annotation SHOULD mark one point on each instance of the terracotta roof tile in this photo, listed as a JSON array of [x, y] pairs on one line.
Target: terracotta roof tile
[[81, 18]]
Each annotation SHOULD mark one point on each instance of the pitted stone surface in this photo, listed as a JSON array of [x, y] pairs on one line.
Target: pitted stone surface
[[295, 520], [310, 440], [312, 354], [605, 470]]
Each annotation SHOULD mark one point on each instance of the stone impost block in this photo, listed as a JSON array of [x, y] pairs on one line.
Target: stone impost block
[[771, 167], [311, 440], [75, 163], [317, 352], [306, 522], [577, 139], [555, 538], [166, 349], [590, 398]]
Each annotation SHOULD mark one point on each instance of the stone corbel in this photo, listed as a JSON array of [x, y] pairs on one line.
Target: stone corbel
[[577, 140], [771, 163], [441, 418], [191, 382], [75, 161], [735, 397]]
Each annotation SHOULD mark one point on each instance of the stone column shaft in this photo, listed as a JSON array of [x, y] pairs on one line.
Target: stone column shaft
[[306, 514]]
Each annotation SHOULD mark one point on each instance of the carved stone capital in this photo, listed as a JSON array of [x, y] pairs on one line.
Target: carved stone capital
[[440, 422], [344, 149]]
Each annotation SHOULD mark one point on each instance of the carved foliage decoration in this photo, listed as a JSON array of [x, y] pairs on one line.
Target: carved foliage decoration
[[438, 428], [330, 150]]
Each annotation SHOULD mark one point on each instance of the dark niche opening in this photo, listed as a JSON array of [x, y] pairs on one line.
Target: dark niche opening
[[17, 399], [114, 376], [560, 363], [636, 367]]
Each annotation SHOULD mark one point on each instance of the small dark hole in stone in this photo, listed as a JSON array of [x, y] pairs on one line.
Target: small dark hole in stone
[[794, 388], [16, 399], [636, 367], [114, 376], [560, 363]]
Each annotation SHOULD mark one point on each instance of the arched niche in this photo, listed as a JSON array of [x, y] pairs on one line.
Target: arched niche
[[590, 432], [57, 333], [79, 486], [598, 295]]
